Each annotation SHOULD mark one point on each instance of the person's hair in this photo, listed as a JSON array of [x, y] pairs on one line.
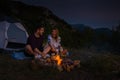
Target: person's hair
[[38, 27], [57, 31]]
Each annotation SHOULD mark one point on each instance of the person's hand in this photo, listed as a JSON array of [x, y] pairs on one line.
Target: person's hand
[[53, 50], [43, 55], [64, 52]]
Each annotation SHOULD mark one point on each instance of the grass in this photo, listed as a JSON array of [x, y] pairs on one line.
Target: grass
[[94, 66]]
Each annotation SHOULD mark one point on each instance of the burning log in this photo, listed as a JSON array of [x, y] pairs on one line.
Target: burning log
[[68, 64], [58, 59], [77, 63], [60, 68]]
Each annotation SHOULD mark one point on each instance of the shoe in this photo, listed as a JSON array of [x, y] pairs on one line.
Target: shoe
[[38, 56]]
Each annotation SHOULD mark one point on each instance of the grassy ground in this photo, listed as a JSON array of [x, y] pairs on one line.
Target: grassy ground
[[94, 66]]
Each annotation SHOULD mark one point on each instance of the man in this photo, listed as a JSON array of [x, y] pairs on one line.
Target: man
[[34, 45]]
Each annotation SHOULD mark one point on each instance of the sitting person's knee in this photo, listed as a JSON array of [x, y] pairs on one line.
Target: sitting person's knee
[[28, 49]]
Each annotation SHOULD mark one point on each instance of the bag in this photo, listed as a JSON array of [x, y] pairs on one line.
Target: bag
[[19, 56]]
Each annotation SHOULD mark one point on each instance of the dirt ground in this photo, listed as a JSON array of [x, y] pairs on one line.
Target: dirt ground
[[93, 67]]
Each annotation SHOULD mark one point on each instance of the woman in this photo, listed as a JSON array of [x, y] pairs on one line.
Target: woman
[[53, 45]]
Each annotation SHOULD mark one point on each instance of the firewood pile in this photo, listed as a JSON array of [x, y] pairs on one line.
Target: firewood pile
[[61, 63]]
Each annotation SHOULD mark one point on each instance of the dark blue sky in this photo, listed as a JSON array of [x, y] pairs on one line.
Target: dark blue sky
[[95, 13]]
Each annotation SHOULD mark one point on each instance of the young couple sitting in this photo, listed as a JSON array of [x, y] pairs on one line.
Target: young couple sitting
[[34, 46]]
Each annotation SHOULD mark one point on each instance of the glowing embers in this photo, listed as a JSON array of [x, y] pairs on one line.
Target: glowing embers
[[57, 58]]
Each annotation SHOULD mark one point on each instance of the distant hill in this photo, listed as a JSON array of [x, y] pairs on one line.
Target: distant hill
[[27, 13], [103, 31], [80, 27], [98, 37]]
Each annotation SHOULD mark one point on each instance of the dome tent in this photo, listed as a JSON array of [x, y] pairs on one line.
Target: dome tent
[[13, 35]]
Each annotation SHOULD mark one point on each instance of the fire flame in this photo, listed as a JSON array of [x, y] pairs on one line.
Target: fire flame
[[58, 59]]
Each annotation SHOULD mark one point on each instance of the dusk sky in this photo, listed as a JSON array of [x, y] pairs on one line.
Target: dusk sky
[[94, 13]]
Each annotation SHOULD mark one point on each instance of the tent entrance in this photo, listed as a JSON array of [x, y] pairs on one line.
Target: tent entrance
[[15, 45]]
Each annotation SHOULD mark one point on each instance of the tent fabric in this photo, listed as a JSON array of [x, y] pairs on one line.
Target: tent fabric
[[12, 32], [3, 27], [6, 37], [20, 26]]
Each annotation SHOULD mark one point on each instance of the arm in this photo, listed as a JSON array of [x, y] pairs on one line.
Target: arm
[[50, 43], [28, 49], [52, 47], [37, 51], [61, 49]]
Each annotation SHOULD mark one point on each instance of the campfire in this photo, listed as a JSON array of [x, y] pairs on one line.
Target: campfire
[[58, 59], [59, 62]]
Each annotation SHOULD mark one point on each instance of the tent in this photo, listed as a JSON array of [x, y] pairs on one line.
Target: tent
[[13, 35]]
